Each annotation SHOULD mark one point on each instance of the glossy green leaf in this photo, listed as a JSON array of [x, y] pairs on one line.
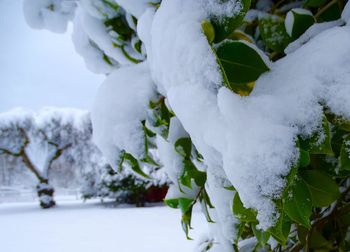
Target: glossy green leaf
[[134, 164], [185, 204], [242, 213], [281, 229], [273, 32], [304, 159], [204, 195], [190, 172], [298, 203], [298, 21], [241, 62], [183, 146], [314, 3], [224, 26], [330, 14], [205, 211], [173, 203], [186, 223], [230, 188], [208, 31], [324, 191]]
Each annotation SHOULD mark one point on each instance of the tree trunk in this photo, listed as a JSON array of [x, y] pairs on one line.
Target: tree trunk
[[44, 190], [45, 194]]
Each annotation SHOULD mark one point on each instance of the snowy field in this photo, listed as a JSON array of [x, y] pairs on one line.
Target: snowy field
[[74, 226]]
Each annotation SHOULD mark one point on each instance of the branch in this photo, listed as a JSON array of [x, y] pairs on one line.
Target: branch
[[8, 152], [57, 154], [325, 8], [26, 160]]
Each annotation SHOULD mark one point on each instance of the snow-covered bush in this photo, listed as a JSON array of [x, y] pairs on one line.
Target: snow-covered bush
[[126, 187], [247, 103]]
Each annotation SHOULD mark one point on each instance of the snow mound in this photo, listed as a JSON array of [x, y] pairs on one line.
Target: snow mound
[[120, 106], [49, 14]]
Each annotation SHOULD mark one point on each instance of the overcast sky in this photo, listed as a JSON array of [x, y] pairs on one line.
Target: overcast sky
[[39, 68]]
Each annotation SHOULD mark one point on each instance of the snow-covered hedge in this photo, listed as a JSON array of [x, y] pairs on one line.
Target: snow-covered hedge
[[246, 101]]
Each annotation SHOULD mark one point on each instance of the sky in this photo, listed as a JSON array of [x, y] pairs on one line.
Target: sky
[[39, 68]]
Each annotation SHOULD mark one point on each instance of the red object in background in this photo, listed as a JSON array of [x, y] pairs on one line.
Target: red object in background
[[156, 194]]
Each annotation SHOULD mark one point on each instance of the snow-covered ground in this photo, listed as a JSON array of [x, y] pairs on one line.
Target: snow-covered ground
[[74, 226]]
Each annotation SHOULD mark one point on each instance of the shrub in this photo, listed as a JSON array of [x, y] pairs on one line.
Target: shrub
[[247, 103]]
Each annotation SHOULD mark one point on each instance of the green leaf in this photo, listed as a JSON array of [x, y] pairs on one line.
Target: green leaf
[[317, 241], [320, 142], [304, 159], [183, 146], [206, 198], [119, 25], [240, 35], [324, 191], [345, 154], [120, 161], [298, 203], [339, 121], [298, 21], [185, 204], [208, 31], [230, 188], [191, 172], [242, 213], [160, 117], [281, 229], [186, 223], [273, 32], [205, 211], [224, 26], [134, 164], [260, 235], [314, 3], [337, 140], [331, 13], [173, 203], [241, 62]]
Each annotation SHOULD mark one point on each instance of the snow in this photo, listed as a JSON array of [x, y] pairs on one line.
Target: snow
[[120, 106], [97, 32], [346, 13], [92, 55], [136, 7], [169, 157], [313, 30], [219, 8], [98, 9], [90, 227], [49, 14]]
